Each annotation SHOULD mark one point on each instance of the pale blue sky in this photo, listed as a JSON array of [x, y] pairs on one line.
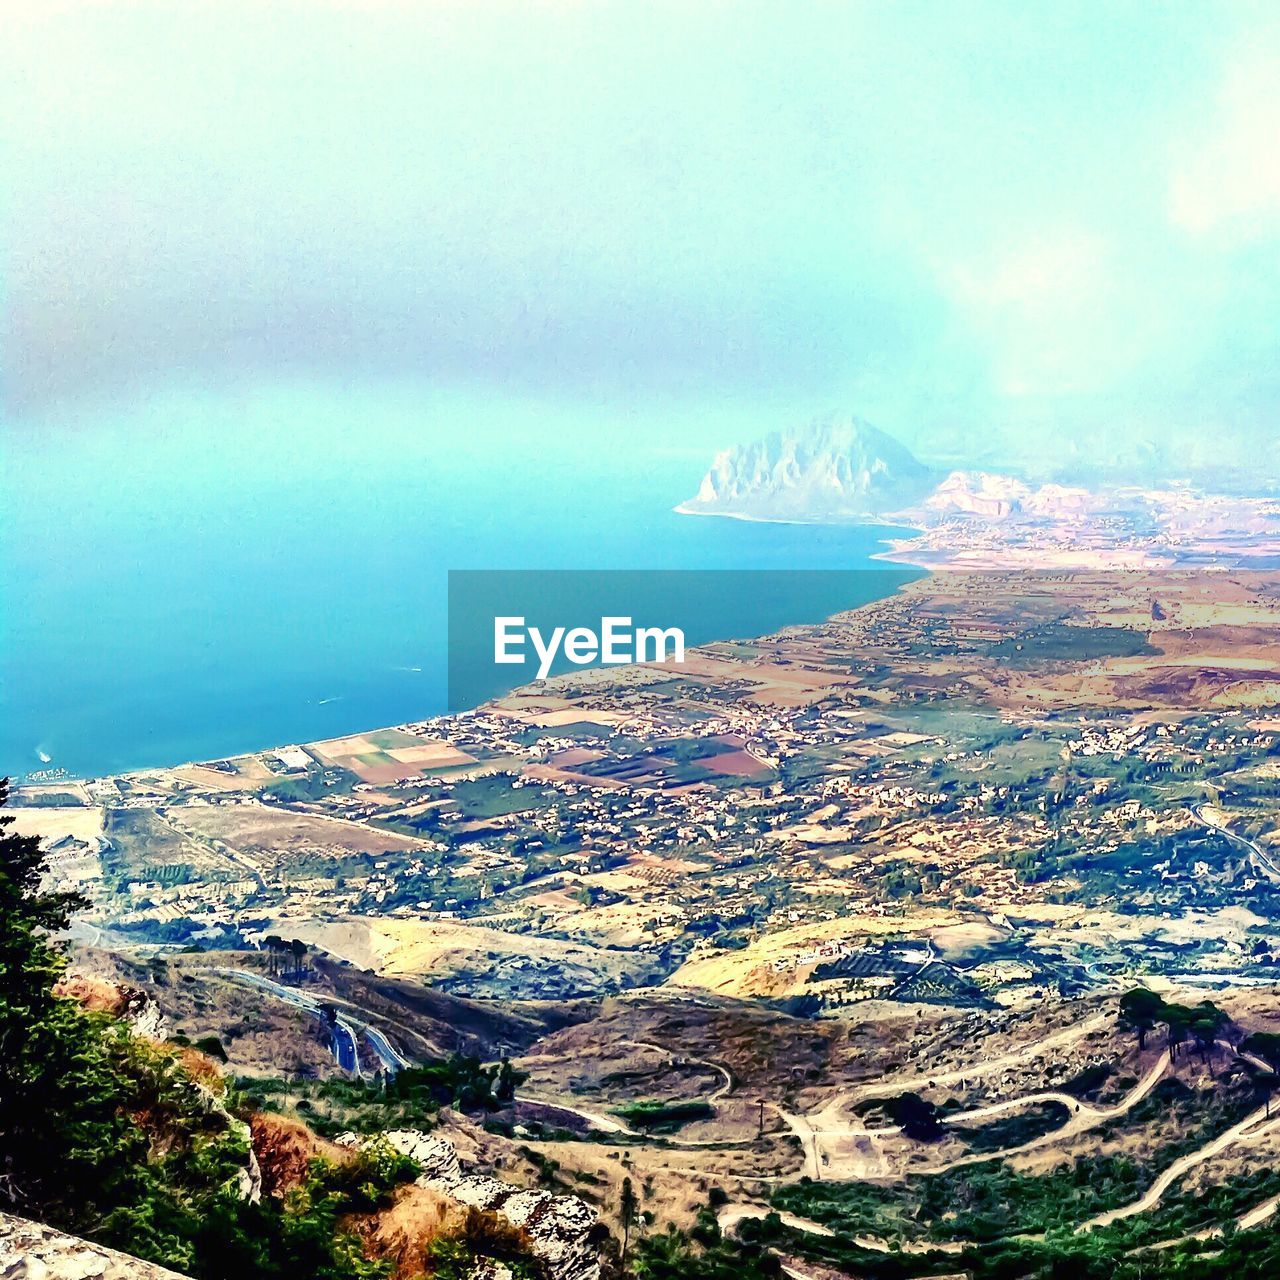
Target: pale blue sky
[[994, 229]]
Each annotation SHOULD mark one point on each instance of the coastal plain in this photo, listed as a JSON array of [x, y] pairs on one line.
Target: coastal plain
[[724, 916]]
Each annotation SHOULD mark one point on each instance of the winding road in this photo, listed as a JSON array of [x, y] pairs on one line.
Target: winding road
[[611, 1124], [820, 1128], [940, 1080], [346, 1049], [731, 1215], [1265, 861], [1256, 1125]]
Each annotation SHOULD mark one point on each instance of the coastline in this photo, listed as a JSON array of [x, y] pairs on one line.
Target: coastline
[[70, 779], [861, 522], [908, 547], [897, 550]]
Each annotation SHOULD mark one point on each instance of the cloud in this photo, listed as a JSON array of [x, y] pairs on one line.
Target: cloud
[[1040, 305], [929, 213], [1229, 177]]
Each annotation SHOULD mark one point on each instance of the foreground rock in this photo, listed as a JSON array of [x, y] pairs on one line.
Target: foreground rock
[[33, 1251], [559, 1227]]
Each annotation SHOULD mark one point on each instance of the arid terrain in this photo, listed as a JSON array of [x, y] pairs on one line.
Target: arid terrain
[[829, 930]]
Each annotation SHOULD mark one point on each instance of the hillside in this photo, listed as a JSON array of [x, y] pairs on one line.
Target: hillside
[[979, 976], [118, 1137]]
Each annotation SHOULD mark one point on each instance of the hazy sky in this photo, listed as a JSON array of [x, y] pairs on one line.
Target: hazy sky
[[1023, 223]]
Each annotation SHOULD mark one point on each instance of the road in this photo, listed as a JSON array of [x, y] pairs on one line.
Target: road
[[829, 1122], [596, 1119], [1246, 1221], [1254, 1126], [211, 844], [392, 1060], [819, 1163], [716, 1094], [935, 1080], [732, 1214], [793, 1272], [1249, 1131], [1259, 1214], [1265, 860], [1073, 1104], [610, 1124], [1084, 1119], [346, 1050]]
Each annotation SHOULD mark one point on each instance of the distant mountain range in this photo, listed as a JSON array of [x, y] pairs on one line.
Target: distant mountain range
[[835, 469], [840, 470]]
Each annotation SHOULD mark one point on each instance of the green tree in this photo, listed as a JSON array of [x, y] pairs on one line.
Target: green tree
[[1207, 1024], [702, 1254], [1140, 1010], [505, 1087], [1264, 1045], [63, 1147], [73, 1154], [1177, 1020], [277, 950], [915, 1116]]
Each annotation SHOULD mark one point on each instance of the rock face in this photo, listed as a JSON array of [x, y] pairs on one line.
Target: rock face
[[32, 1251], [143, 1014], [559, 1227], [118, 999], [838, 469], [835, 469], [999, 497], [978, 493]]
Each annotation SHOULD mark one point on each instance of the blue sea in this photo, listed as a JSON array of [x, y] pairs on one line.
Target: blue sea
[[180, 584]]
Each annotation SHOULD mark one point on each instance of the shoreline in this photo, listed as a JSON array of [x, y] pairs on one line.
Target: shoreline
[[861, 522], [20, 782]]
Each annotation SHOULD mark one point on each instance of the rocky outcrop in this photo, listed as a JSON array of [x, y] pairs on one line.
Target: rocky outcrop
[[144, 1016], [840, 470], [1000, 497], [837, 468], [559, 1227], [120, 1000], [33, 1251]]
